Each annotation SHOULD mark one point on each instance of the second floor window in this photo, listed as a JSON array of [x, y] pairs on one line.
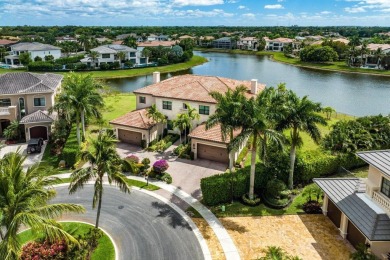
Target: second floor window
[[385, 188], [39, 102], [167, 105], [5, 102], [106, 55], [142, 100], [132, 54], [204, 110]]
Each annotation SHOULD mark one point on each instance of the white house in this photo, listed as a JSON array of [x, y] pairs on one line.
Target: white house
[[360, 208], [109, 54], [277, 44], [171, 97], [248, 43], [35, 49]]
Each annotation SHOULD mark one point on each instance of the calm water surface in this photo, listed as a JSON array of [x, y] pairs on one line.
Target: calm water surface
[[352, 94]]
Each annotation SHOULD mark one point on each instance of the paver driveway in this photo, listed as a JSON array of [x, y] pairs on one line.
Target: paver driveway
[[186, 174], [30, 159]]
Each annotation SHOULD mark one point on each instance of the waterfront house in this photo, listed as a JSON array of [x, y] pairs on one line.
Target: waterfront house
[[248, 43], [360, 208], [224, 43], [154, 44], [277, 44], [26, 97], [171, 97], [35, 49]]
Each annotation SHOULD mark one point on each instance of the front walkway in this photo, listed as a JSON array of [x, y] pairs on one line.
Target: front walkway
[[186, 174]]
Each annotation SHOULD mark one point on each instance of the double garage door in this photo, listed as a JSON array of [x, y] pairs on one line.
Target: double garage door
[[130, 137], [38, 132], [213, 153]]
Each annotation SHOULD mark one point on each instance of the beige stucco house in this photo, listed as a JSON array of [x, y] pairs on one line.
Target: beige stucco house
[[171, 97], [26, 97], [360, 208]]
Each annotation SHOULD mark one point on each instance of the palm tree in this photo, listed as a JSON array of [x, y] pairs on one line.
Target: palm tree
[[154, 114], [227, 113], [84, 41], [80, 97], [23, 202], [94, 55], [328, 111], [257, 115], [121, 57], [103, 160], [182, 122], [192, 115], [299, 115]]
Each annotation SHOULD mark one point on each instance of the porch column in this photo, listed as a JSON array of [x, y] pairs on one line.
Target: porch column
[[343, 225], [325, 205]]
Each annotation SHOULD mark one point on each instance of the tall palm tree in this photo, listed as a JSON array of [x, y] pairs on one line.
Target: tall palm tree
[[104, 161], [182, 122], [80, 97], [227, 113], [192, 115], [23, 202], [299, 115], [121, 56], [94, 55], [257, 123], [154, 114]]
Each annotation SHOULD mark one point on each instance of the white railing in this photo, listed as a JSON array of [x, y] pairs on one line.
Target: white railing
[[4, 111], [382, 200]]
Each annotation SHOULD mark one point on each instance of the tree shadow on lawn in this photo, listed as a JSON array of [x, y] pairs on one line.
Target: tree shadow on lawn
[[329, 244], [175, 220], [233, 226]]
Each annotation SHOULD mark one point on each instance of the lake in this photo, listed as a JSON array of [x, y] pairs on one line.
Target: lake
[[354, 94]]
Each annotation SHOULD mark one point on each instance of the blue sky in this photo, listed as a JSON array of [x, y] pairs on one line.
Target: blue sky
[[196, 12]]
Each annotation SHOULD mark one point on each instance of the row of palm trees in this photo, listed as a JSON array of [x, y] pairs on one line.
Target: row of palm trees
[[263, 119]]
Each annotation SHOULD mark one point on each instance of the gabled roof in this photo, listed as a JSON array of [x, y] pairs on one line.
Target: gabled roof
[[380, 159], [27, 82], [349, 196], [136, 118], [33, 46], [194, 87], [38, 116], [156, 43], [213, 134]]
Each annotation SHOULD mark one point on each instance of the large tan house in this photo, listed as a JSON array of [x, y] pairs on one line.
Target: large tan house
[[360, 208], [26, 97], [171, 97]]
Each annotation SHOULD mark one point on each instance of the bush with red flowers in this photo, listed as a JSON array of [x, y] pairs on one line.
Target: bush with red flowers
[[46, 250], [132, 158]]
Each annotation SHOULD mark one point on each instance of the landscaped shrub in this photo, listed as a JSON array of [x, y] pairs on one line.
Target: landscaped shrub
[[276, 196], [163, 144], [145, 165], [104, 66], [250, 202], [183, 151], [160, 166], [40, 66], [71, 149], [312, 207], [166, 178], [133, 158], [45, 250], [275, 188]]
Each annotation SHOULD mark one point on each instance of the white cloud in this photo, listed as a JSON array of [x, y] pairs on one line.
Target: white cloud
[[197, 2], [325, 12], [354, 9], [279, 1], [241, 7], [278, 6], [249, 15]]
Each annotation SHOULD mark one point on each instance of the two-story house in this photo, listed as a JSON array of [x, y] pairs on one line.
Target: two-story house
[[360, 208], [35, 49], [109, 54], [26, 97], [277, 44], [248, 43], [171, 97], [224, 43]]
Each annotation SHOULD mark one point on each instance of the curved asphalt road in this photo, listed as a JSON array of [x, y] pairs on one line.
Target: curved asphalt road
[[141, 226]]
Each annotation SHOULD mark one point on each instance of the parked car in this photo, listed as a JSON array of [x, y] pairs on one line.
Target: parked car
[[34, 145]]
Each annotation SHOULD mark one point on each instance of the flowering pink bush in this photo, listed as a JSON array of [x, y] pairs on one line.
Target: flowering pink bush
[[160, 166], [133, 158], [45, 250]]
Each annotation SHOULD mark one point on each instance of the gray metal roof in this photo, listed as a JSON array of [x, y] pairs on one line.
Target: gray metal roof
[[113, 48], [380, 159], [26, 82], [33, 46], [349, 196], [37, 117]]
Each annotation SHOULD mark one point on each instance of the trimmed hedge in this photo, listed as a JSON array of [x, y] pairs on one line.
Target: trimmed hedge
[[71, 149]]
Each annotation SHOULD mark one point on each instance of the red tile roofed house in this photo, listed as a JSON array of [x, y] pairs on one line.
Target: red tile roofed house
[[277, 44], [171, 97], [6, 43]]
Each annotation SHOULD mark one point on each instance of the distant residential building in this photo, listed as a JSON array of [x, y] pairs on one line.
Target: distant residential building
[[66, 38], [35, 49], [103, 40], [163, 38], [183, 37], [277, 44], [205, 41], [248, 43], [224, 43], [121, 37], [109, 54], [152, 37], [153, 44], [6, 43]]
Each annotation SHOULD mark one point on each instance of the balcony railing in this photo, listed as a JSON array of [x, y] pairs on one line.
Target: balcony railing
[[4, 111], [382, 200]]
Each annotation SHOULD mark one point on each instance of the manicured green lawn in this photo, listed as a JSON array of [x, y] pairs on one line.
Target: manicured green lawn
[[195, 60], [237, 209], [105, 249], [141, 184]]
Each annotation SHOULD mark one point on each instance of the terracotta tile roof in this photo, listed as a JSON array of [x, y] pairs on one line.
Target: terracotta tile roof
[[6, 42], [136, 118], [156, 43], [194, 87], [213, 134], [374, 47], [284, 40]]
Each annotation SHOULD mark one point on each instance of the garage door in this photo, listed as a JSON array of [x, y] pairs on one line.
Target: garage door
[[213, 153], [354, 236], [130, 137], [38, 132], [334, 213]]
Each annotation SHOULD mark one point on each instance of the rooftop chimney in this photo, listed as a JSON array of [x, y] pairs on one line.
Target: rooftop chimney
[[254, 86], [156, 77]]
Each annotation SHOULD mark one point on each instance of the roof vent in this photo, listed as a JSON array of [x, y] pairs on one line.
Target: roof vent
[[254, 86]]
